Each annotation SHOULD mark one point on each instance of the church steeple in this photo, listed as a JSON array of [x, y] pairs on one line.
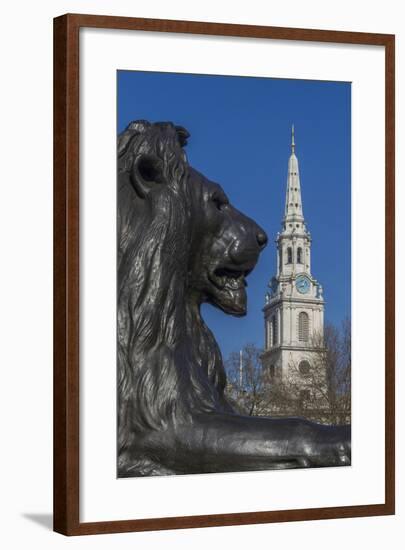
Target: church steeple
[[294, 307], [294, 240], [293, 204]]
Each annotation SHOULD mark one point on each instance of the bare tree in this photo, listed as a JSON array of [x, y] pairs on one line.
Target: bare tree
[[246, 381], [320, 392]]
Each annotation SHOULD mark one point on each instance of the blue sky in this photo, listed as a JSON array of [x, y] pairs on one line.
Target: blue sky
[[240, 137]]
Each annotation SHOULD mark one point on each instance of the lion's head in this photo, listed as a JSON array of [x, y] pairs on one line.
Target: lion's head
[[180, 243], [226, 246]]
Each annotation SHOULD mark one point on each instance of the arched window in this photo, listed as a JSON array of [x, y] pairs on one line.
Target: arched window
[[274, 330], [289, 255], [281, 257], [272, 372], [305, 395], [304, 367], [299, 255], [303, 327]]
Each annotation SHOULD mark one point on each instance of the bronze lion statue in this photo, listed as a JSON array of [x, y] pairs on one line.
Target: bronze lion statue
[[181, 243]]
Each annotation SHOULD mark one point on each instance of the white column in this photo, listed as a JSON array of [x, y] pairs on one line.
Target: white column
[[316, 320], [281, 262], [278, 326], [285, 328], [294, 255], [271, 332], [311, 328], [291, 325], [321, 321], [278, 259]]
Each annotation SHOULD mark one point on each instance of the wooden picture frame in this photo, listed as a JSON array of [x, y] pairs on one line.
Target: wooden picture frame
[[67, 284]]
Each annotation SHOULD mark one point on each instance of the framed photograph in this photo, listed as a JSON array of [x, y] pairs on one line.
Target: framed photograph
[[223, 274]]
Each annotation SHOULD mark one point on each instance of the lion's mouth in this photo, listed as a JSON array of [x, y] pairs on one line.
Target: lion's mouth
[[231, 279]]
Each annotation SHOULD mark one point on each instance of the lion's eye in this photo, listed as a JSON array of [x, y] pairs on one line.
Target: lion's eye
[[148, 169], [220, 202]]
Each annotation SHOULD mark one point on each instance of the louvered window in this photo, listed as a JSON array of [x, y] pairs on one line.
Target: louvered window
[[274, 327], [303, 327]]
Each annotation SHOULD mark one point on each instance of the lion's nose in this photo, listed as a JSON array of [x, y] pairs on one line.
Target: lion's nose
[[261, 238]]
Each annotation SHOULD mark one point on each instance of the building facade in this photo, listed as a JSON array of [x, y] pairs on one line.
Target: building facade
[[294, 308]]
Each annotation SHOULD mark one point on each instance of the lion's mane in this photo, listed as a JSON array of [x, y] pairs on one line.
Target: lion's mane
[[165, 372]]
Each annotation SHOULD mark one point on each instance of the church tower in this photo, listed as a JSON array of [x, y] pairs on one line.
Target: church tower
[[294, 308]]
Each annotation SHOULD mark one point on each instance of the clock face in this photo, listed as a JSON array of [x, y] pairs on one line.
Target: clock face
[[302, 284]]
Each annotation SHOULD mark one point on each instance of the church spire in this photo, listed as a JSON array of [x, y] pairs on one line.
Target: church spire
[[292, 140], [293, 204]]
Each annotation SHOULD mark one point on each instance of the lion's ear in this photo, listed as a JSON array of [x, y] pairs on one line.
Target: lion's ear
[[147, 172]]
